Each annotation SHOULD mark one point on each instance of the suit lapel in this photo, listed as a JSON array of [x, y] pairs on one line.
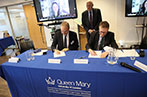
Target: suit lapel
[[61, 39], [97, 39], [104, 42], [69, 38], [94, 15], [87, 17]]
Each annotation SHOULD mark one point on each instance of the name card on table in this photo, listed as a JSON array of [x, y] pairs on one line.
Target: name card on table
[[13, 60], [55, 61], [141, 65], [81, 61]]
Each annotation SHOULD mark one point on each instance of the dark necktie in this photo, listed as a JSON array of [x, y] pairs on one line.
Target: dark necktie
[[101, 44], [91, 20], [65, 42]]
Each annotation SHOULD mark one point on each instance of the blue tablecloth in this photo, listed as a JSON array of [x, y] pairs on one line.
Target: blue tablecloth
[[38, 78], [5, 42]]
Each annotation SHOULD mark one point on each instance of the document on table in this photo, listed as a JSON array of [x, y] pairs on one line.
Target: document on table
[[131, 52], [39, 53], [62, 54], [119, 53], [97, 56], [126, 53]]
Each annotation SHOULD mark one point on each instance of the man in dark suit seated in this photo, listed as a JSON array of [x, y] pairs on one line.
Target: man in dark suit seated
[[91, 19], [64, 39], [100, 39]]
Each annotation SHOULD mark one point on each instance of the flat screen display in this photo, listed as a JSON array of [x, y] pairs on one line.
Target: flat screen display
[[136, 8], [48, 10]]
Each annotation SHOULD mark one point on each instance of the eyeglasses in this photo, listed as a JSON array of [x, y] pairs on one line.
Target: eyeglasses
[[102, 32]]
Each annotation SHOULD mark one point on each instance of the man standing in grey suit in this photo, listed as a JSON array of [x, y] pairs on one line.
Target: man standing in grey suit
[[91, 19]]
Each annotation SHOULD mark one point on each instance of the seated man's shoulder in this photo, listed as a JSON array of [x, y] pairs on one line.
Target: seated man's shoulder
[[95, 33], [110, 33], [58, 31], [72, 32]]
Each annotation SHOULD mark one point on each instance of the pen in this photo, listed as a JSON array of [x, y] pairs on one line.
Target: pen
[[82, 57]]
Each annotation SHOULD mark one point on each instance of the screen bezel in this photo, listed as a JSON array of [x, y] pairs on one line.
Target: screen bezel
[[126, 15], [76, 14]]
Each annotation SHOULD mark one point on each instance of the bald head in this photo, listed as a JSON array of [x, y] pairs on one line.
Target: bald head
[[89, 5], [64, 27]]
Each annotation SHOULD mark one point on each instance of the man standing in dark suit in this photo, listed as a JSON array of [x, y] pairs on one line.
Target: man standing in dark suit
[[91, 19], [99, 40], [64, 39]]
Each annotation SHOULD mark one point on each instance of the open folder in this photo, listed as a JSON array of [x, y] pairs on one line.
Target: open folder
[[126, 53], [62, 54], [97, 56]]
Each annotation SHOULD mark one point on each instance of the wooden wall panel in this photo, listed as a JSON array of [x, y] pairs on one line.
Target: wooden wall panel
[[34, 30]]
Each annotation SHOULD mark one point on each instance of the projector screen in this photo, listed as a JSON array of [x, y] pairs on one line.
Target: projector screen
[[136, 8], [48, 10]]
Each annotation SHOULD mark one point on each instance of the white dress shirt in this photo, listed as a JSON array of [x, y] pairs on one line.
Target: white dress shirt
[[67, 38]]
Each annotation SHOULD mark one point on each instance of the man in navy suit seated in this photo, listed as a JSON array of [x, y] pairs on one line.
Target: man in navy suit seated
[[64, 39], [101, 38]]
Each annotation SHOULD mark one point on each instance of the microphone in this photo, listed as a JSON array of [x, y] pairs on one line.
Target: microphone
[[141, 53], [130, 67], [38, 50]]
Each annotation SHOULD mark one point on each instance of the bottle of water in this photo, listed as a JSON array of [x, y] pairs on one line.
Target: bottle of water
[[29, 55]]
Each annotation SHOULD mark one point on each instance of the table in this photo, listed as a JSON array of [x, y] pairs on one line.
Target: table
[[1, 50], [0, 71], [38, 78], [5, 42]]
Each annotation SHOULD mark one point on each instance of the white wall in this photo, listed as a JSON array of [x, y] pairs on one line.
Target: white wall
[[73, 27], [11, 2], [113, 11]]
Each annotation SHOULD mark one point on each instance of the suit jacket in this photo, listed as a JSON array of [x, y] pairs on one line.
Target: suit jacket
[[108, 41], [58, 41], [97, 18]]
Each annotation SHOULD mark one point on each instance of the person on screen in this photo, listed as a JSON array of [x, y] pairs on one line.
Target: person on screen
[[55, 9], [101, 38], [64, 39], [143, 8], [91, 19]]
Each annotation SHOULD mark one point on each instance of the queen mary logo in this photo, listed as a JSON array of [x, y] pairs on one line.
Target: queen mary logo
[[50, 81]]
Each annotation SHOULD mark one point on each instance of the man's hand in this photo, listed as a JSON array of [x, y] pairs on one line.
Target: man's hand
[[65, 49], [57, 51], [91, 30], [104, 54], [93, 53]]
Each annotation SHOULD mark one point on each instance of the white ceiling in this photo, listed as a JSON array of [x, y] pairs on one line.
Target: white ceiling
[[11, 2]]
